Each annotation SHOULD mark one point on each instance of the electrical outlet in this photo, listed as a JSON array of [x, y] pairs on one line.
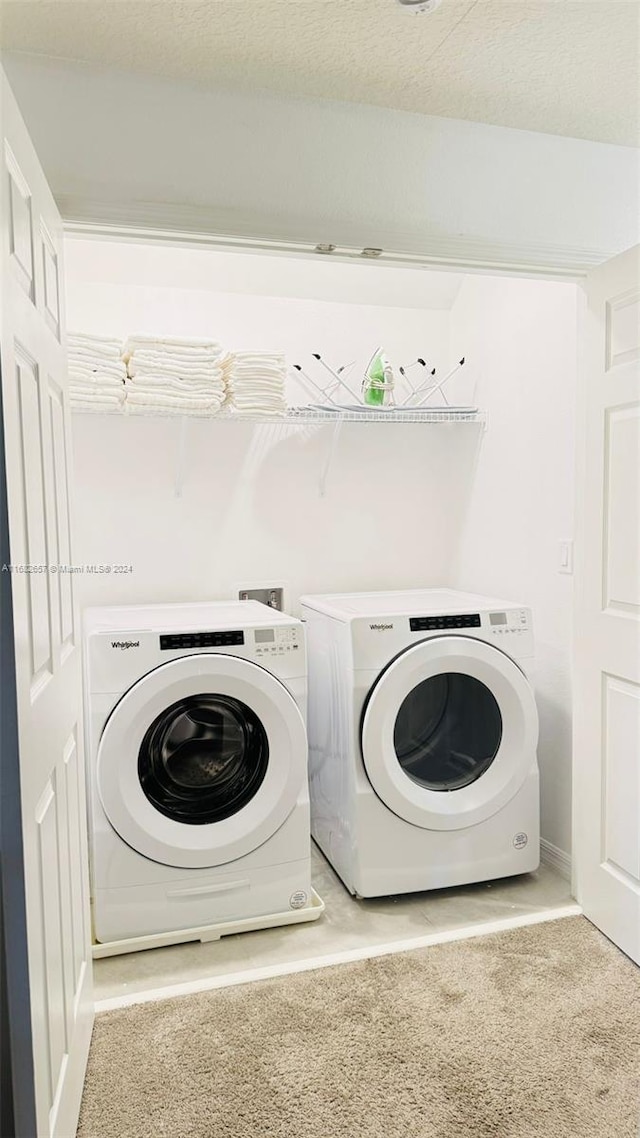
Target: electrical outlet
[[271, 595]]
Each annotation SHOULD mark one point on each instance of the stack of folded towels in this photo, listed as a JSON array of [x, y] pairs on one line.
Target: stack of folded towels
[[256, 382], [172, 374], [96, 372]]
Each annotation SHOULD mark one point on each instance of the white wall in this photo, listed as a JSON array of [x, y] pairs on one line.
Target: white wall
[[251, 510], [150, 151], [522, 336], [251, 507]]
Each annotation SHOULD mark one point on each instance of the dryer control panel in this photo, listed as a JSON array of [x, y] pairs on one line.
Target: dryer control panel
[[375, 641], [508, 625]]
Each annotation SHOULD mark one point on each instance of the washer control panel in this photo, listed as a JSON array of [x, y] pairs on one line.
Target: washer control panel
[[510, 623], [278, 641]]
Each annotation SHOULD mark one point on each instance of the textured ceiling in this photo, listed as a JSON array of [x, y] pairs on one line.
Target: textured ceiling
[[567, 67]]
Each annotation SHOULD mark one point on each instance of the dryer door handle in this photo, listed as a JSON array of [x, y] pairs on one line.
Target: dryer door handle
[[209, 890]]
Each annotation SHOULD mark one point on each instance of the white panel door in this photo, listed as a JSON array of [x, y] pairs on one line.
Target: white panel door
[[607, 635], [47, 653]]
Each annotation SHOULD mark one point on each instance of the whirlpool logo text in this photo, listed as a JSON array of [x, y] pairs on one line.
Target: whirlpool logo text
[[123, 644], [380, 627]]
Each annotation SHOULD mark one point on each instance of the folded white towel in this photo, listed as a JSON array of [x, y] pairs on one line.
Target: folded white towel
[[211, 375], [111, 350], [157, 399], [97, 386], [95, 408], [96, 401], [198, 355], [278, 357], [118, 373], [178, 382], [259, 361], [251, 398], [268, 382], [179, 386], [114, 367], [99, 342], [188, 394], [171, 341], [256, 377], [267, 388], [90, 359], [256, 383], [258, 367], [93, 363], [86, 367], [257, 373], [95, 357], [95, 380], [168, 343], [90, 354], [261, 387], [193, 412]]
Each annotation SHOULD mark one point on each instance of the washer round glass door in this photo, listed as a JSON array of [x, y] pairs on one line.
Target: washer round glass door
[[202, 760], [449, 732]]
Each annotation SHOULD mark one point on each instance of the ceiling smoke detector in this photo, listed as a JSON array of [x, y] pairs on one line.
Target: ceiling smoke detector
[[419, 7]]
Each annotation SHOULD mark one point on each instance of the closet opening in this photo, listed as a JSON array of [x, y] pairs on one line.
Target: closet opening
[[199, 508]]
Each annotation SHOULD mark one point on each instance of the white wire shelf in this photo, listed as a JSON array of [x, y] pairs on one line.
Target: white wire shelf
[[297, 415], [388, 415]]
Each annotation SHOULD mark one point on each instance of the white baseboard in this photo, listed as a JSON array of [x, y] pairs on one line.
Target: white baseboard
[[558, 859]]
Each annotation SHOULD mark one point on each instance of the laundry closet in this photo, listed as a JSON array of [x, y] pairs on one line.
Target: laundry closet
[[195, 509], [447, 306]]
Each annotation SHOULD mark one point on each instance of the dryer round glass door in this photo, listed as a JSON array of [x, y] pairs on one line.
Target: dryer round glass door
[[449, 732], [202, 760]]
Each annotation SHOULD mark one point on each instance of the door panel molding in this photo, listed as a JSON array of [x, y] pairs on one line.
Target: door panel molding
[[56, 1011], [606, 796]]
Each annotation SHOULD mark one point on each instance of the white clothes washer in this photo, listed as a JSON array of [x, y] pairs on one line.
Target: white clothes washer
[[423, 730], [197, 766]]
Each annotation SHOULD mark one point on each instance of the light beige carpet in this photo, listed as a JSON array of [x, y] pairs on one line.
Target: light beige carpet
[[533, 1032]]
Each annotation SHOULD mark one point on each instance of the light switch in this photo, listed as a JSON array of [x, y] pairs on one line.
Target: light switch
[[565, 559]]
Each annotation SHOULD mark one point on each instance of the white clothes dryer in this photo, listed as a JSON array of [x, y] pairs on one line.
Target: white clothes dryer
[[423, 730], [197, 766]]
